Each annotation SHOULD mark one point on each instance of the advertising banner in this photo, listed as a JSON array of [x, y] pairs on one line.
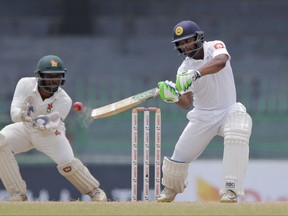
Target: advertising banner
[[265, 181]]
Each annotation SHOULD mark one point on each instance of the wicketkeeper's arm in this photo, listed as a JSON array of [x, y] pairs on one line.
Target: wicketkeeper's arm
[[22, 100]]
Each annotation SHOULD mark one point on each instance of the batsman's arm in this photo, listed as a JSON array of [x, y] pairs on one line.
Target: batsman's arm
[[186, 100], [214, 65], [170, 94]]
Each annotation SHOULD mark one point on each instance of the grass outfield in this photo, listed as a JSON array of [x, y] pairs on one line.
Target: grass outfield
[[142, 208]]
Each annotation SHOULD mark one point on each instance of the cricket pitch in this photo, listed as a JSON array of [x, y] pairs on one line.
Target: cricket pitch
[[143, 208]]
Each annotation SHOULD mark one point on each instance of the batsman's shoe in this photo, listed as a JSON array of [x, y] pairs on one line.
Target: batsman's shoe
[[167, 195], [98, 195], [18, 197], [229, 197]]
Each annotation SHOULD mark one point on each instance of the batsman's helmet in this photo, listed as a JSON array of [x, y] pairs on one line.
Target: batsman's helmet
[[50, 64], [188, 29]]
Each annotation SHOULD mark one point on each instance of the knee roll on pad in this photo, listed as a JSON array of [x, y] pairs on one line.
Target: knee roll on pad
[[238, 126], [174, 174], [78, 174]]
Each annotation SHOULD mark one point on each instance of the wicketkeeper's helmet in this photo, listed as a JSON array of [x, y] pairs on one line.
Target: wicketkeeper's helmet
[[50, 64], [185, 30]]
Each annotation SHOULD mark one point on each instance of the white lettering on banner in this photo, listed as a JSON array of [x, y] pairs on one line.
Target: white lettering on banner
[[121, 194], [43, 195], [125, 194], [64, 196]]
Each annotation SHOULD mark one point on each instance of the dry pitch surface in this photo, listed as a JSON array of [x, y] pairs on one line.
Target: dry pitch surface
[[142, 208]]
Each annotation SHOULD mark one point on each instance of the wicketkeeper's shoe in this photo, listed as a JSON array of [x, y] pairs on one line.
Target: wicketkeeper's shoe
[[167, 195], [98, 195], [229, 197], [18, 197]]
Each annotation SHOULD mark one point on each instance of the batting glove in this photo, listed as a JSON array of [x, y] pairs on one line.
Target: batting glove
[[168, 92], [184, 80]]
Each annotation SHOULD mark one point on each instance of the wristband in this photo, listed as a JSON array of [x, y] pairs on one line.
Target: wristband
[[196, 75]]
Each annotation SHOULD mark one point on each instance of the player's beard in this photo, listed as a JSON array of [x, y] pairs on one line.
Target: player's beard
[[48, 86], [51, 89], [192, 53]]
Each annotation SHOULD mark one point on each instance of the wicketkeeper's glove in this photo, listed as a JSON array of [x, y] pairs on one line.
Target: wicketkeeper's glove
[[168, 92], [47, 122], [185, 79], [28, 109]]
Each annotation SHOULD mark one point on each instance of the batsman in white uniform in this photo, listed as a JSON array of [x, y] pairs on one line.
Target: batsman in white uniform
[[38, 109], [205, 79]]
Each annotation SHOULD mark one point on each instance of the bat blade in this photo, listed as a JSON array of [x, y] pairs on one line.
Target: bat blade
[[123, 105]]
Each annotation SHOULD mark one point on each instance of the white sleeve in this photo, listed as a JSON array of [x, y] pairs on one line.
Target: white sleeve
[[19, 96], [218, 47]]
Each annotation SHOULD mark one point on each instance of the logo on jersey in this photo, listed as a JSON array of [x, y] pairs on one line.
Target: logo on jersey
[[53, 63], [57, 133], [219, 46], [49, 107], [179, 30]]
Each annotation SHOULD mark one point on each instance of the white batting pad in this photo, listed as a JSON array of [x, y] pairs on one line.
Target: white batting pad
[[9, 170], [237, 131], [174, 174], [78, 174]]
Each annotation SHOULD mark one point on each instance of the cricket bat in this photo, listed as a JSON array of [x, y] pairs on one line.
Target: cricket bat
[[123, 105]]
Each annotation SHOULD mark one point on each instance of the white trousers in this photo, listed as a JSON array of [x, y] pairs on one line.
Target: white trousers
[[52, 143], [202, 127]]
